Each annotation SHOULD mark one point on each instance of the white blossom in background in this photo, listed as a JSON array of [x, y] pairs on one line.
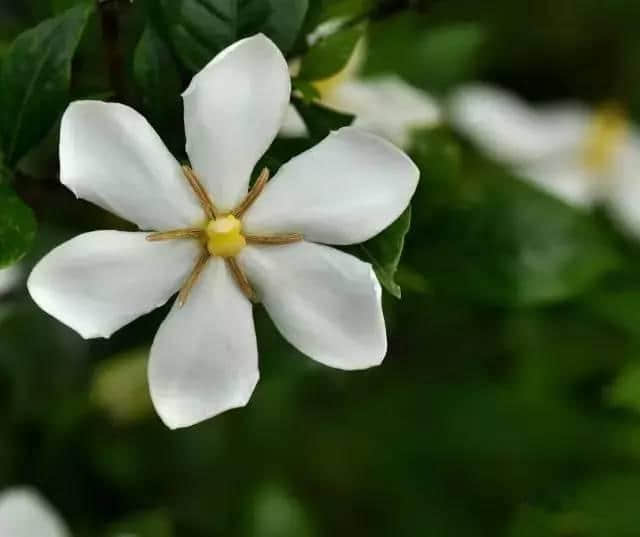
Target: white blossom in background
[[582, 156], [385, 105], [24, 513], [220, 244]]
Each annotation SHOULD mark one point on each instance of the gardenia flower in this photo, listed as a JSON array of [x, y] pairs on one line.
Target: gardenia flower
[[24, 513], [220, 245], [385, 105], [582, 156]]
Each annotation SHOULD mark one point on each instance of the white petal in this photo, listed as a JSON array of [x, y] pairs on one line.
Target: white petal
[[204, 358], [233, 109], [565, 178], [623, 195], [324, 302], [99, 281], [111, 156], [344, 190], [386, 106], [24, 513], [510, 130]]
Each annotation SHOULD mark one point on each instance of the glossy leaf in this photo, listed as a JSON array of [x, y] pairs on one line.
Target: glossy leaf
[[384, 251], [158, 79], [285, 21], [34, 80], [330, 55], [200, 29]]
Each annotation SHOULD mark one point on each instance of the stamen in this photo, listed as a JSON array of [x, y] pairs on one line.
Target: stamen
[[255, 191], [193, 278], [282, 238], [187, 233], [240, 278], [200, 192]]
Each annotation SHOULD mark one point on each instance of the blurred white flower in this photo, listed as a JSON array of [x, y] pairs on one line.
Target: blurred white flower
[[229, 245], [24, 513], [384, 105], [9, 278], [582, 156]]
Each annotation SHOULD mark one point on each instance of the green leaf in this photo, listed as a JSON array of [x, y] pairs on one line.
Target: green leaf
[[157, 76], [17, 227], [200, 29], [385, 249], [306, 89], [331, 54], [34, 80], [321, 120], [285, 21], [321, 11]]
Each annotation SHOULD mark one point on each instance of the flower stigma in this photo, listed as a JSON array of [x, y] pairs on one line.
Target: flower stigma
[[224, 236]]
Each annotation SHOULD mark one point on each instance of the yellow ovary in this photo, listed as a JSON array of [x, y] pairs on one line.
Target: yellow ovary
[[224, 236]]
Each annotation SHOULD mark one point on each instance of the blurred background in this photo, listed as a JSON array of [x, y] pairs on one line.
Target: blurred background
[[509, 402]]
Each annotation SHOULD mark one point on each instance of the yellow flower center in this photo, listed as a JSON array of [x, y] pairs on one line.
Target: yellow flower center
[[607, 131], [224, 236]]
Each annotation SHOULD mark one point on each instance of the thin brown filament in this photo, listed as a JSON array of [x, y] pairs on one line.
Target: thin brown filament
[[200, 192], [240, 278], [253, 194], [282, 238], [187, 233], [193, 278]]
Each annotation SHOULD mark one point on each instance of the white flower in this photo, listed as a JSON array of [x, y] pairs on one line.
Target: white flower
[[582, 156], [325, 302], [385, 105], [24, 513]]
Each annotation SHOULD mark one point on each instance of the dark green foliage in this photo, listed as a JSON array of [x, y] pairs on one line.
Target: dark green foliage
[[384, 251], [199, 29], [158, 79], [17, 227], [321, 120], [34, 81], [330, 55]]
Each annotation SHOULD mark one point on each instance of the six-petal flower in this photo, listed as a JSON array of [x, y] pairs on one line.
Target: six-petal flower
[[220, 243]]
